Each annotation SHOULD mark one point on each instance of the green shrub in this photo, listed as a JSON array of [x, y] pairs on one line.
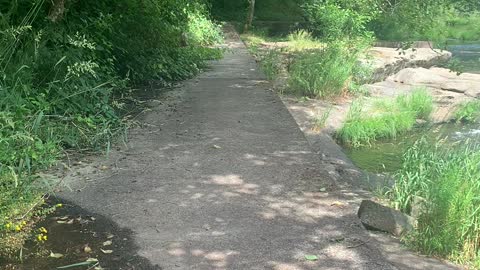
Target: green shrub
[[385, 118], [446, 178]]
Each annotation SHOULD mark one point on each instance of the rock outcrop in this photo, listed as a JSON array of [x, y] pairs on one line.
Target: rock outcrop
[[388, 61]]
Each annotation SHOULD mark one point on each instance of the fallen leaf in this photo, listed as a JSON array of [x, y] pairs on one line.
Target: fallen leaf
[[61, 221], [70, 222], [56, 255], [216, 146], [107, 243], [110, 236], [311, 257], [323, 189], [92, 260], [63, 218], [106, 251], [103, 167]]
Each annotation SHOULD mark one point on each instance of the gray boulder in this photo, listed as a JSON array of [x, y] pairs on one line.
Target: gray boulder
[[375, 216]]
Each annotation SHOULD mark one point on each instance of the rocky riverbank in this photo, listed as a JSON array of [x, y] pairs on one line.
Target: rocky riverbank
[[395, 74]]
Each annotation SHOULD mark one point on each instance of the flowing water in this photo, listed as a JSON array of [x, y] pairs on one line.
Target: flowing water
[[386, 155]]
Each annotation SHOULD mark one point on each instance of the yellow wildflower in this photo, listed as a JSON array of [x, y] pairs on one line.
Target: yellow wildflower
[[45, 238], [18, 228], [39, 237], [59, 205], [43, 230], [24, 223], [8, 226]]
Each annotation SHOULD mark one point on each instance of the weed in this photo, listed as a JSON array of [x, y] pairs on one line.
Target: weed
[[320, 121]]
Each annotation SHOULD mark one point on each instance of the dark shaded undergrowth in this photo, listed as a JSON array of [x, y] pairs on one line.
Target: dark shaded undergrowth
[[61, 65]]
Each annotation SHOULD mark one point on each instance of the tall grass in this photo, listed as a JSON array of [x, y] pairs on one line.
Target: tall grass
[[447, 178], [325, 72], [468, 111], [384, 118]]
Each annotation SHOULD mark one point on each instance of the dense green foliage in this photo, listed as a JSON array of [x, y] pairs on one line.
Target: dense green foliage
[[386, 119], [61, 64], [446, 178], [340, 19], [464, 26]]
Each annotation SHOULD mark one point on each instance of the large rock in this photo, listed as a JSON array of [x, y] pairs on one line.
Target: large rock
[[440, 78], [375, 216], [388, 61]]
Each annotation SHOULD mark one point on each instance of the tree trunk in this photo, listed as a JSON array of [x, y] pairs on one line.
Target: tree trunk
[[251, 12]]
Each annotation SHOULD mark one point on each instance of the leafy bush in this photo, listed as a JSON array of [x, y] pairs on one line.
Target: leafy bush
[[385, 119], [446, 178]]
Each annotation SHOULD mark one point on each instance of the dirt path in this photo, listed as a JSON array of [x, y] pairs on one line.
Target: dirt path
[[222, 178]]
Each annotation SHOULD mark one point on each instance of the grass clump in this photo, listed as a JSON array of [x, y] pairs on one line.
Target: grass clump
[[301, 40], [468, 111], [446, 178], [320, 121], [384, 118], [325, 72]]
